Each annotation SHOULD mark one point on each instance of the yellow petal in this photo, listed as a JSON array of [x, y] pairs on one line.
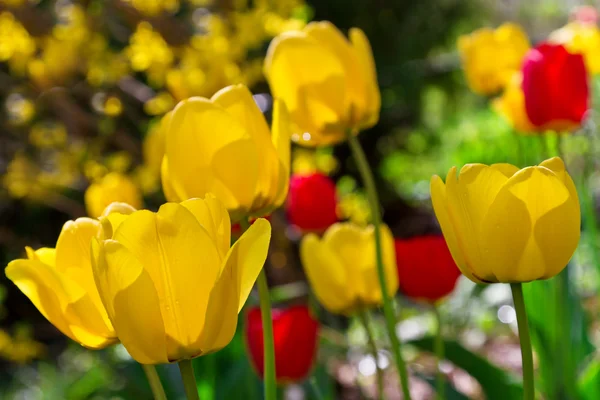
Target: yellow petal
[[131, 301], [309, 78], [62, 301], [203, 141], [469, 197], [213, 216], [328, 277], [244, 263], [182, 261], [531, 229], [113, 187], [440, 207], [369, 76], [171, 189], [73, 256], [281, 141], [47, 255]]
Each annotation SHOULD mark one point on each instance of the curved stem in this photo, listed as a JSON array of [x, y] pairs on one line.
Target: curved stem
[[267, 324], [364, 319], [189, 381], [439, 353], [388, 309], [526, 353], [153, 379]]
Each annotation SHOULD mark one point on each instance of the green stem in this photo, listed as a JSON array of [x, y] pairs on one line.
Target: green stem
[[267, 323], [189, 381], [153, 379], [439, 353], [388, 310], [364, 319], [315, 388], [526, 353]]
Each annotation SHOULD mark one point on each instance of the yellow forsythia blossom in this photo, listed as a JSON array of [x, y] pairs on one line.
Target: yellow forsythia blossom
[[223, 146], [111, 188], [580, 38], [60, 283], [342, 270], [503, 224], [491, 57], [170, 282], [511, 105], [329, 84]]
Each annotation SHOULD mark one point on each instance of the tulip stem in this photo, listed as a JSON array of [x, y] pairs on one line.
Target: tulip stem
[[189, 381], [388, 309], [439, 353], [526, 353], [154, 380], [267, 324], [364, 319]]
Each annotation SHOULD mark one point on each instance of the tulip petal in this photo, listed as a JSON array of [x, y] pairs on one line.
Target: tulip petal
[[213, 216], [73, 256], [328, 277], [369, 75], [171, 188], [61, 301], [241, 268], [469, 198], [440, 206], [204, 140], [131, 301], [530, 196], [46, 255], [281, 141], [182, 261]]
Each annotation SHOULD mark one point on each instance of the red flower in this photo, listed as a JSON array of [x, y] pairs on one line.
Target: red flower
[[426, 270], [312, 202], [295, 334], [555, 85]]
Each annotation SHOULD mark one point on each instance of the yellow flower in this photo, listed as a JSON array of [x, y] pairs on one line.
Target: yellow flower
[[170, 282], [329, 84], [342, 270], [60, 283], [503, 224], [112, 187], [223, 146], [580, 38], [490, 57], [511, 105]]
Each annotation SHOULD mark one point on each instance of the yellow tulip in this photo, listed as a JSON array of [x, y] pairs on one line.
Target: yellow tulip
[[491, 57], [580, 38], [113, 187], [60, 283], [170, 282], [511, 105], [508, 225], [329, 84], [223, 146], [342, 270]]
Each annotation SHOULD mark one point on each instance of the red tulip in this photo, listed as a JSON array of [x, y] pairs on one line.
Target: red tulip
[[426, 270], [295, 334], [312, 202], [555, 85]]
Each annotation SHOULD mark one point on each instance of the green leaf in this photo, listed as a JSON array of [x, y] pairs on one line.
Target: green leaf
[[588, 384], [496, 383]]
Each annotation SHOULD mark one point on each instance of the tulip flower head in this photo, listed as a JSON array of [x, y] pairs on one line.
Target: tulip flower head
[[312, 202], [328, 83], [556, 88], [295, 333], [341, 267], [170, 282], [508, 225], [491, 57], [223, 146], [113, 187], [60, 283], [426, 270]]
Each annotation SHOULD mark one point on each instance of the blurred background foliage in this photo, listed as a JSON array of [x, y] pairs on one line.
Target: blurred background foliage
[[83, 85]]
